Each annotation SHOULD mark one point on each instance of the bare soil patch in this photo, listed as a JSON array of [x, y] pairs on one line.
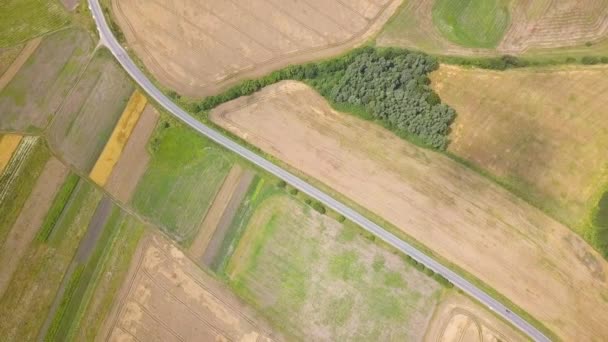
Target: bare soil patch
[[462, 216], [134, 159], [167, 297], [215, 212], [215, 244], [457, 318], [30, 219], [199, 48], [542, 131], [7, 75]]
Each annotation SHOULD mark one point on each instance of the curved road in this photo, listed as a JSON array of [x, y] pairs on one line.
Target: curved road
[[108, 39]]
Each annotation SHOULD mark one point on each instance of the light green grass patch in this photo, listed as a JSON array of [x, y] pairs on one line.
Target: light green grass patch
[[292, 265], [185, 172], [21, 20], [472, 23]]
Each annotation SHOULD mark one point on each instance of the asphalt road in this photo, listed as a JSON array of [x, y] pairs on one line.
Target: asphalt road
[[108, 39]]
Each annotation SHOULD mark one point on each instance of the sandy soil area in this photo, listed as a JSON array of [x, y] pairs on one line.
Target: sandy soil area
[[166, 297], [458, 318], [200, 47], [542, 130], [134, 158], [120, 135], [8, 145], [23, 56], [533, 260], [30, 219]]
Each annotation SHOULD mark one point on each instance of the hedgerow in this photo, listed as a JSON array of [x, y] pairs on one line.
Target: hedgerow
[[388, 85]]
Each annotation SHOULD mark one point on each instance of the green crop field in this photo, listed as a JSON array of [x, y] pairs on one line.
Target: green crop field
[[21, 20], [36, 92], [316, 278], [33, 287], [184, 174], [472, 23]]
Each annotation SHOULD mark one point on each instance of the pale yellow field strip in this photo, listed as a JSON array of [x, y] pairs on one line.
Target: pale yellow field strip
[[24, 55], [111, 152], [8, 145]]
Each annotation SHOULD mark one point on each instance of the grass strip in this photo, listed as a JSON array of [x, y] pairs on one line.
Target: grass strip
[[73, 300], [59, 204], [65, 303]]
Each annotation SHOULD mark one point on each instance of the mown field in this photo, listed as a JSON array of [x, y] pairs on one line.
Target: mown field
[[21, 20], [472, 23], [538, 29], [88, 115], [541, 132], [184, 173], [30, 100], [316, 278]]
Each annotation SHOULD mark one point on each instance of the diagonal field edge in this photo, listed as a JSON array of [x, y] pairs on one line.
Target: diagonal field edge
[[108, 39]]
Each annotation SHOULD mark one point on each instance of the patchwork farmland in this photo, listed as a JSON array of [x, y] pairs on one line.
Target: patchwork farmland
[[534, 28], [428, 195], [199, 48], [545, 137]]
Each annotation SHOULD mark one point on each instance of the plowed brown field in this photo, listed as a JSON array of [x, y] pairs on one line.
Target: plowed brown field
[[533, 260], [198, 47]]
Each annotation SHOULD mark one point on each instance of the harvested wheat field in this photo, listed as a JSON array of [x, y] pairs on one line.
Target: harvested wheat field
[[457, 319], [199, 47], [530, 258], [533, 27], [543, 131], [8, 145], [134, 158], [166, 297], [120, 135]]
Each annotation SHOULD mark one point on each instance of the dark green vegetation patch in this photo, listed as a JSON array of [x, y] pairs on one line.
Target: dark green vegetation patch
[[388, 85], [600, 223]]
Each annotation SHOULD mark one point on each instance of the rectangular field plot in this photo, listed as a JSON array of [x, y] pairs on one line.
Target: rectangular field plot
[[317, 279], [31, 98], [184, 174], [32, 288], [88, 115], [166, 297], [543, 131]]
